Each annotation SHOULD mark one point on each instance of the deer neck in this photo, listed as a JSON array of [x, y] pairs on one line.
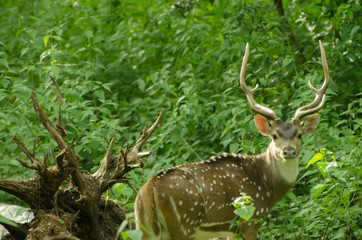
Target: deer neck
[[281, 173], [285, 170]]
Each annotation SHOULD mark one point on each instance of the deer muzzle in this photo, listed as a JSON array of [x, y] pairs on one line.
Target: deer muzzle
[[289, 152]]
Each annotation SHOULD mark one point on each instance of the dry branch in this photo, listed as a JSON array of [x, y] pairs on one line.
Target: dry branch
[[60, 126], [113, 168], [78, 202]]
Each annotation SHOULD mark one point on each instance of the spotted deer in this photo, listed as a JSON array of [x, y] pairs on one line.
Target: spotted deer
[[193, 201]]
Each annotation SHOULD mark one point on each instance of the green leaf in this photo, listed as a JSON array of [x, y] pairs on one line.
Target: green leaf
[[354, 30], [7, 221], [134, 234], [31, 33], [314, 10], [57, 38], [286, 62], [127, 191], [44, 55], [233, 147], [243, 209], [141, 84], [245, 212], [321, 167], [82, 49], [55, 70], [340, 235], [100, 94], [98, 50], [346, 197], [4, 62], [88, 34], [23, 51], [319, 189], [315, 159], [46, 39], [21, 210]]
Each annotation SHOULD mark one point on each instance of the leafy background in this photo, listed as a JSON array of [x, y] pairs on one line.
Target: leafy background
[[119, 62]]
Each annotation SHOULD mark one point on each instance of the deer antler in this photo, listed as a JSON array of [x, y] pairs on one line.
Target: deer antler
[[319, 99], [262, 110]]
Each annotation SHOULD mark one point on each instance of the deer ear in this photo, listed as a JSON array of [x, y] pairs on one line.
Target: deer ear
[[310, 124], [262, 124]]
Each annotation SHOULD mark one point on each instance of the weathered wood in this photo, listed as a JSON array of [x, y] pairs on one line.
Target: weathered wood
[[72, 209]]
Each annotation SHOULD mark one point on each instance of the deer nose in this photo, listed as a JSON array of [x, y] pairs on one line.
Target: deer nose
[[289, 152]]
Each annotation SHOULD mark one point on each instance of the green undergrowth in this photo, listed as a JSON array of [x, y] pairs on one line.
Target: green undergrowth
[[119, 62]]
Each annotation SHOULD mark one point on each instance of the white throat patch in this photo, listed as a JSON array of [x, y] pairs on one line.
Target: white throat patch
[[288, 169]]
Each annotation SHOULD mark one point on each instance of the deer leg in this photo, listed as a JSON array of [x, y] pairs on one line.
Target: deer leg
[[180, 230], [250, 233]]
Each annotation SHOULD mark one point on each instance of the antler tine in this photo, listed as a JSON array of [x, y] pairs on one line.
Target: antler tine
[[262, 110], [319, 99]]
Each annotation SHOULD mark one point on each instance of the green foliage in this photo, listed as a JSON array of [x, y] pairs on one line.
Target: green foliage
[[119, 62], [244, 210], [122, 233], [7, 221]]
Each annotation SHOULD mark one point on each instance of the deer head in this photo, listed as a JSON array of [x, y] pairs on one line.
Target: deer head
[[286, 136]]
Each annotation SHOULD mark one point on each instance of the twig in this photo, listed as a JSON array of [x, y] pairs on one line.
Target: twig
[[56, 201], [146, 135], [129, 184], [47, 124], [35, 164], [60, 126]]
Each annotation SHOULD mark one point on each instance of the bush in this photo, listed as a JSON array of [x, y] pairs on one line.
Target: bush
[[120, 62]]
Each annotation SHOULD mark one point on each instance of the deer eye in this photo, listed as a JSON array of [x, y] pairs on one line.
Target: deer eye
[[274, 136], [299, 136]]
